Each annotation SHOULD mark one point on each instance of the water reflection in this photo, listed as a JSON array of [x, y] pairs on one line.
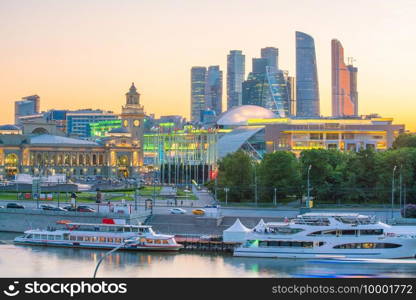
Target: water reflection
[[33, 261]]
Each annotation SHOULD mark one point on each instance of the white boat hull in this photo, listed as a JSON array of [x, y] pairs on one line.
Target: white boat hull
[[407, 250]]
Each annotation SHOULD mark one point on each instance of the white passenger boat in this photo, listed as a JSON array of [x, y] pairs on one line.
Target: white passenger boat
[[320, 235], [100, 236]]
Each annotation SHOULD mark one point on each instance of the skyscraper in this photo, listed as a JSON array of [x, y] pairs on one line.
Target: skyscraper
[[272, 55], [267, 86], [198, 75], [235, 77], [344, 84], [307, 89], [213, 89], [29, 105]]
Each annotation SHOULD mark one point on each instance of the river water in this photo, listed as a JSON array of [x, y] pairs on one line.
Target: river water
[[35, 261]]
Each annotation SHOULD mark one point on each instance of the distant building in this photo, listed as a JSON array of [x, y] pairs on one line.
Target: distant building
[[235, 77], [291, 85], [213, 89], [198, 75], [77, 122], [271, 54], [208, 117], [29, 105], [344, 84], [267, 87], [307, 89]]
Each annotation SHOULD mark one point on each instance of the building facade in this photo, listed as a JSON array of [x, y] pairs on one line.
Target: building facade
[[235, 77], [267, 87], [38, 152], [307, 89], [198, 76], [29, 105], [77, 122], [213, 89], [344, 84], [271, 54]]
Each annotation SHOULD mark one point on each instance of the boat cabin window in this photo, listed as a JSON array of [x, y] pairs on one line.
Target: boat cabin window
[[117, 240], [110, 240], [102, 239], [165, 242], [66, 236], [72, 238], [281, 244], [28, 236], [367, 246], [36, 236], [80, 238], [43, 237], [348, 232], [371, 231]]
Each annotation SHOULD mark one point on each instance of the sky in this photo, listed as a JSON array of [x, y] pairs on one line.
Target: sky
[[85, 53]]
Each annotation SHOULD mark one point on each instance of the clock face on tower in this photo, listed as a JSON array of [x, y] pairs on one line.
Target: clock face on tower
[[126, 123], [136, 123]]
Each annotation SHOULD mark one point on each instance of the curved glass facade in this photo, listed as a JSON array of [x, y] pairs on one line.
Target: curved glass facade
[[307, 89]]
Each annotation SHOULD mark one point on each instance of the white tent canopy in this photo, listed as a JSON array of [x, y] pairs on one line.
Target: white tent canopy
[[236, 233], [260, 226]]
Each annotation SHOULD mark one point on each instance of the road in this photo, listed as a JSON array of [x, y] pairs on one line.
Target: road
[[162, 208]]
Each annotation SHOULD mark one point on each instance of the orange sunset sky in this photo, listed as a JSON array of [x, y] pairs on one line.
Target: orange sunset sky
[[85, 53]]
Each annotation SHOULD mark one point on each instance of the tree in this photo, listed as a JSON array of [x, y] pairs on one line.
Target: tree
[[279, 170], [326, 175], [235, 171], [404, 140]]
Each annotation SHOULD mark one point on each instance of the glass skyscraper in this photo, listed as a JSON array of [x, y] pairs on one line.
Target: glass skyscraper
[[307, 89], [235, 77], [271, 54], [344, 84], [213, 89], [198, 75], [267, 87]]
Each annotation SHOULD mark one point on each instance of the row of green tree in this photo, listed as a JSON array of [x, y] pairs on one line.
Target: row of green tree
[[335, 176]]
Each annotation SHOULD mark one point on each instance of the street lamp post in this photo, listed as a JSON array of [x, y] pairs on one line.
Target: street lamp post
[[309, 189], [274, 197], [226, 195], [392, 193]]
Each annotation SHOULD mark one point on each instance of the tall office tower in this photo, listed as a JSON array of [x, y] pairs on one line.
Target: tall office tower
[[198, 75], [236, 61], [213, 89], [344, 84], [353, 87], [259, 65], [307, 89], [272, 56], [291, 86], [267, 87], [29, 105]]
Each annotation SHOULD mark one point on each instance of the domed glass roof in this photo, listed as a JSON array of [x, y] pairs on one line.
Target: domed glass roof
[[9, 127], [240, 114]]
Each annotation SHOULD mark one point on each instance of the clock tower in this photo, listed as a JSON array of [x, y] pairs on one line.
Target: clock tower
[[132, 114]]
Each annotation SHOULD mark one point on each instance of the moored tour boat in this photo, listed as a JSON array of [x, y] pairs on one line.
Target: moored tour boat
[[100, 236], [328, 235]]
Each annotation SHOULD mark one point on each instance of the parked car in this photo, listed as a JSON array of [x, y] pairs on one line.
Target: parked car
[[69, 208], [14, 205], [85, 208], [177, 211], [198, 211], [52, 207]]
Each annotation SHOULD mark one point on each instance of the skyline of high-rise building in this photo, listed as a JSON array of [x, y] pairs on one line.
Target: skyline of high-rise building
[[307, 86], [267, 87], [198, 76], [213, 89], [344, 83], [272, 56], [235, 77]]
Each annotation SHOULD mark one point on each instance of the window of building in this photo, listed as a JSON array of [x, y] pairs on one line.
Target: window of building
[[332, 136], [332, 146], [316, 136]]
